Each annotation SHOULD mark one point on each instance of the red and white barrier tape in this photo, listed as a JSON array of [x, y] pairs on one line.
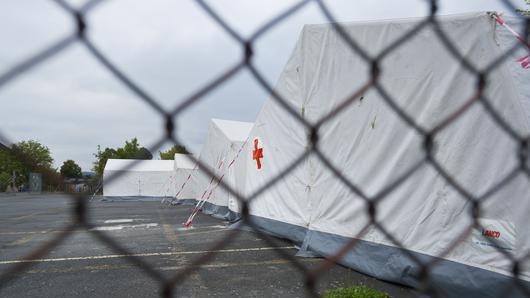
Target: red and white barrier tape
[[525, 61], [203, 200], [184, 184]]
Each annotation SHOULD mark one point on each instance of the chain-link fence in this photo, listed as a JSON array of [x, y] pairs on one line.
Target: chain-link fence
[[80, 210]]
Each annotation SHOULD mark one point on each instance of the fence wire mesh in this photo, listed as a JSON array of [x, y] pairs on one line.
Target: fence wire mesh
[[80, 211]]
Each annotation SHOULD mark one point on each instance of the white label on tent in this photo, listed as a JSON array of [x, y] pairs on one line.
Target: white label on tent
[[494, 234]]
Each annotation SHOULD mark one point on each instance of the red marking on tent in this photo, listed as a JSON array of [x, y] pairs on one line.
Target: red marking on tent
[[491, 233], [525, 61], [257, 154]]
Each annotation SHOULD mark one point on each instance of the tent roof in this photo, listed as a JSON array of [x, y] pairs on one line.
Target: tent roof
[[140, 166], [234, 130], [442, 18], [183, 162]]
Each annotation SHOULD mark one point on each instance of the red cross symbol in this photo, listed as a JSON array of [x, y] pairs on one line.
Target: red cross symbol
[[257, 154]]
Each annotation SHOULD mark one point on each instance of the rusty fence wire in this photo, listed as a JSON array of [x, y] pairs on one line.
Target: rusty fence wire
[[167, 285]]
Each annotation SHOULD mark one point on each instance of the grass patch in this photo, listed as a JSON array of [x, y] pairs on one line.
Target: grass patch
[[354, 292]]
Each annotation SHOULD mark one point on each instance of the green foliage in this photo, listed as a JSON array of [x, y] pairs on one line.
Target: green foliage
[[70, 169], [37, 154], [143, 153], [170, 153], [5, 178], [131, 150], [525, 12], [25, 157], [9, 163], [101, 159], [354, 292]]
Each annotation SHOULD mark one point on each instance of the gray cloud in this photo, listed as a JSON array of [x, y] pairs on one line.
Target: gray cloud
[[170, 48]]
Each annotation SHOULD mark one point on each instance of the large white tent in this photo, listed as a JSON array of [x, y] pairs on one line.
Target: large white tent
[[145, 178], [373, 147], [220, 153]]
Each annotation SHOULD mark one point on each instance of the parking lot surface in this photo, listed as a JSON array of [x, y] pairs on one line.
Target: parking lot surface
[[82, 266]]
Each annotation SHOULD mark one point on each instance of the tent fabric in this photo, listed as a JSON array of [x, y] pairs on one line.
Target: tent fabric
[[150, 178], [139, 165], [373, 147], [224, 140], [185, 189], [183, 162]]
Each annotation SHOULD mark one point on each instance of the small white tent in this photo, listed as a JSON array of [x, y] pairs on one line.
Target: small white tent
[[373, 147], [146, 178], [220, 153], [185, 178]]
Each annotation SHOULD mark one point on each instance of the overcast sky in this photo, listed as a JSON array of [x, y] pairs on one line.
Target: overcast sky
[[170, 48]]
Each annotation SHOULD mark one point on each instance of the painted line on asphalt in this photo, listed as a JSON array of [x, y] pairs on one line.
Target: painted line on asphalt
[[50, 211], [129, 266], [168, 233], [121, 227], [217, 227], [121, 220], [203, 232], [21, 241], [226, 265], [32, 232], [153, 254]]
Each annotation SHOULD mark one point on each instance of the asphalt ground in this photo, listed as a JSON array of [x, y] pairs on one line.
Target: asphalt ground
[[82, 266]]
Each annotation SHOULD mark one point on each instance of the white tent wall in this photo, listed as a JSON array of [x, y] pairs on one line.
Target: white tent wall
[[224, 140], [146, 178], [236, 179], [373, 147], [185, 178]]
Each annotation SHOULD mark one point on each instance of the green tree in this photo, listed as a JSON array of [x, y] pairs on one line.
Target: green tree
[[70, 169], [9, 163], [101, 159], [131, 150], [170, 153], [25, 157], [37, 154], [5, 179], [525, 12], [143, 153]]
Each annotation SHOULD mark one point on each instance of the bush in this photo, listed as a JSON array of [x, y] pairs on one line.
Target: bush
[[4, 181], [354, 292]]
